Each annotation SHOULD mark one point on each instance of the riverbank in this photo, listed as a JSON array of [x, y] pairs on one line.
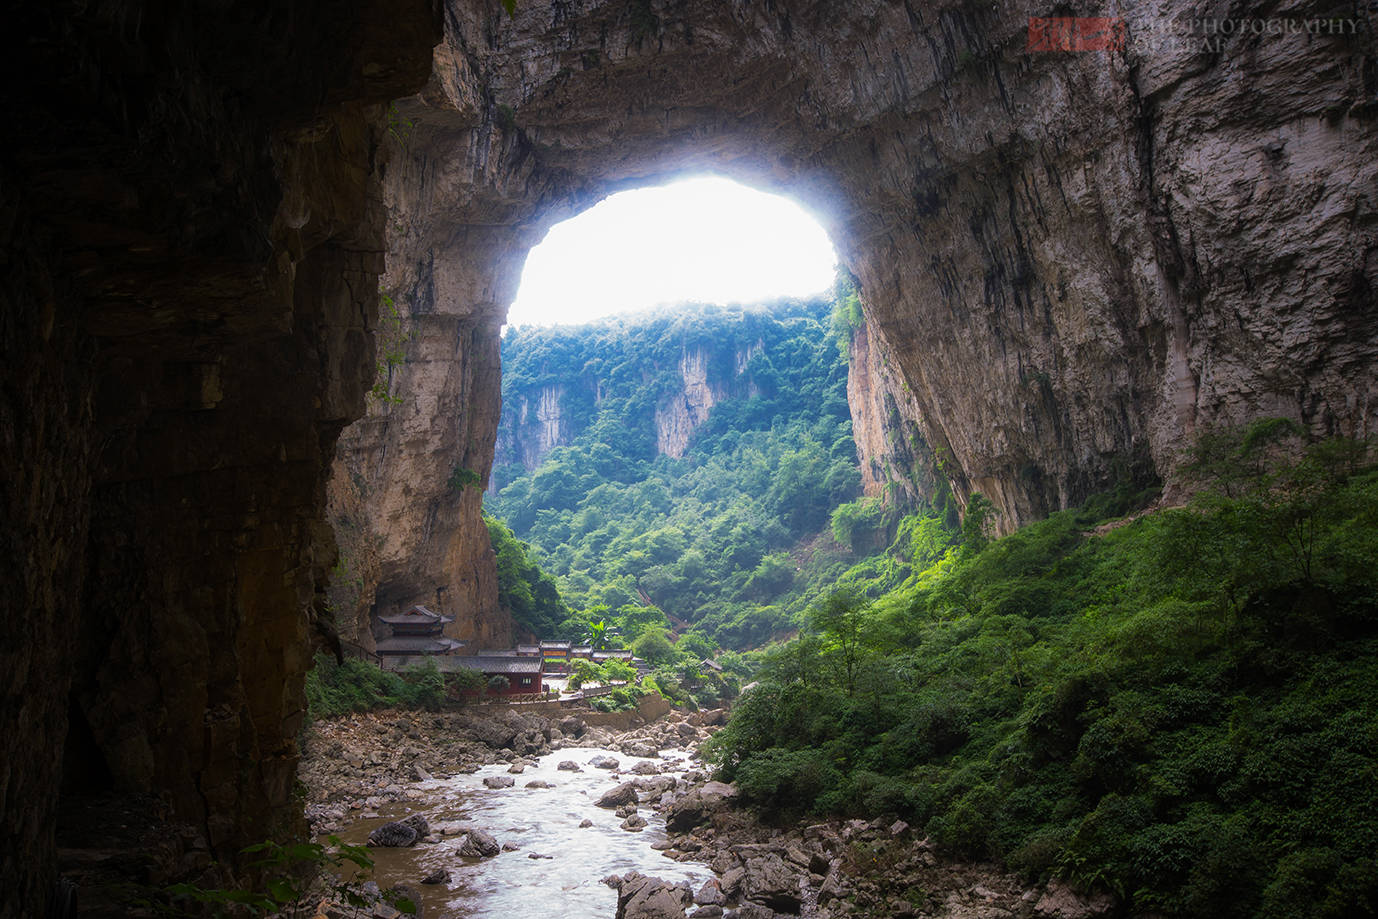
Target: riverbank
[[491, 776]]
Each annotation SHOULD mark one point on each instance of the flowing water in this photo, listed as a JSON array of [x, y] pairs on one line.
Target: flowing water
[[542, 821]]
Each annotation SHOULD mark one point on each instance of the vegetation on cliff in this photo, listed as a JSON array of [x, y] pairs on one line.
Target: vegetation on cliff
[[1181, 708], [722, 544]]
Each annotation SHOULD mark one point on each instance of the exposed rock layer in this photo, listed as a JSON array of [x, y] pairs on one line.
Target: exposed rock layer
[[1073, 260], [1070, 261], [192, 240]]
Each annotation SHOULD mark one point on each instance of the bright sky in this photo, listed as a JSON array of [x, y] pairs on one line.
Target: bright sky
[[705, 239]]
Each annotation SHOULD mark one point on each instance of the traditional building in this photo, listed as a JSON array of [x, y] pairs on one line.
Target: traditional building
[[417, 632], [523, 674], [555, 656]]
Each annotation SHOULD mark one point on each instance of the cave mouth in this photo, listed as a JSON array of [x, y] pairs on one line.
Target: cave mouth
[[698, 238]]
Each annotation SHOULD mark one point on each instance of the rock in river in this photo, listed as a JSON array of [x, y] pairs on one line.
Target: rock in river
[[641, 897], [478, 844], [400, 832], [617, 797]]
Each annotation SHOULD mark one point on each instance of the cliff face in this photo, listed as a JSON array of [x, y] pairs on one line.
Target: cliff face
[[1073, 260], [665, 373], [191, 241], [682, 411]]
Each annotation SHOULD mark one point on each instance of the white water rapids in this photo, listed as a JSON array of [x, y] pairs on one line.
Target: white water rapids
[[541, 821]]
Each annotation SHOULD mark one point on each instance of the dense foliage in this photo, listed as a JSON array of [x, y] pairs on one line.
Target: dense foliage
[[338, 688], [709, 544], [524, 590], [1182, 709]]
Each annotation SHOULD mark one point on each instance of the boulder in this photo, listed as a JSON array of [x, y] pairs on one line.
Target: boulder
[[478, 844], [697, 806], [499, 781], [569, 765], [712, 911], [516, 768], [393, 835], [772, 882], [571, 725], [604, 762], [751, 910], [656, 784], [832, 889], [1060, 901], [634, 823], [710, 894], [438, 876], [585, 823], [646, 767], [539, 783], [616, 797], [496, 734], [641, 897], [400, 833]]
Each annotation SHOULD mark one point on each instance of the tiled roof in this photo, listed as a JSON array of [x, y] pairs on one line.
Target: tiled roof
[[493, 664], [419, 644], [417, 615], [452, 663], [556, 644]]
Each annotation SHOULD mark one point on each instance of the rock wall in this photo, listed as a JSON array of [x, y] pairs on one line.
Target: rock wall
[[562, 403], [540, 424], [192, 236], [680, 413], [1073, 260]]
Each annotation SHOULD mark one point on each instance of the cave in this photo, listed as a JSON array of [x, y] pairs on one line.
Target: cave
[[1070, 262]]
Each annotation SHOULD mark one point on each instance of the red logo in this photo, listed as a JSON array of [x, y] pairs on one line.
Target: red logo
[[1082, 33]]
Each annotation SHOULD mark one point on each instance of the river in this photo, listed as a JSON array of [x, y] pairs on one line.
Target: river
[[542, 822]]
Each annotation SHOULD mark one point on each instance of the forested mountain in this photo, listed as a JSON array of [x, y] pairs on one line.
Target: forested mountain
[[676, 462], [1178, 707]]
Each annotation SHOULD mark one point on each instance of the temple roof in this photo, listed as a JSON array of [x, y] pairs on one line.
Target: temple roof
[[417, 615], [489, 663], [419, 644]]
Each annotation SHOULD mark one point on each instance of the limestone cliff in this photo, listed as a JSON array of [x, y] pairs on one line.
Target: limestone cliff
[[673, 366], [1073, 260], [192, 240], [681, 412]]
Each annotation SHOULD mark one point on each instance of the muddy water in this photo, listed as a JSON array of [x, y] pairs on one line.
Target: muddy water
[[541, 822]]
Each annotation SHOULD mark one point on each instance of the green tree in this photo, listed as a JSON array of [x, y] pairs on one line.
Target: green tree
[[654, 647], [618, 671], [838, 618]]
